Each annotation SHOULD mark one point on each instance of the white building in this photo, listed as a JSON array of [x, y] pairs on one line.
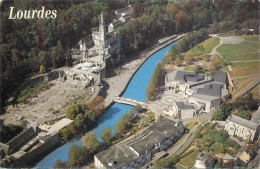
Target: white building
[[241, 127], [204, 160], [204, 91], [182, 110], [105, 43], [140, 150]]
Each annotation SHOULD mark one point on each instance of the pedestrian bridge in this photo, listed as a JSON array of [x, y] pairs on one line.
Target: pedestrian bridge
[[128, 101]]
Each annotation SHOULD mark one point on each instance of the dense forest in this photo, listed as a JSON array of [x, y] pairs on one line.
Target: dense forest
[[30, 44]]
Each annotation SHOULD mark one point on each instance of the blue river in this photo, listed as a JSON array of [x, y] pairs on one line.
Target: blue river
[[135, 90]]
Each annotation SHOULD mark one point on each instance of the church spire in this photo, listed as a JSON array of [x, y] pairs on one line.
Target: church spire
[[102, 19], [102, 31]]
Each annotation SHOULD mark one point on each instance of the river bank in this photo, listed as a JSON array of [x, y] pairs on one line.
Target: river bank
[[132, 80], [118, 83]]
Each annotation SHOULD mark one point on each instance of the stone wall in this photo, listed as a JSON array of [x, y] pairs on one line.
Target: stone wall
[[55, 74]]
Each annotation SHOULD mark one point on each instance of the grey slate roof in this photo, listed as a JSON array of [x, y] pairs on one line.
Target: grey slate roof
[[243, 122], [122, 154], [220, 76], [184, 106], [185, 76], [212, 89]]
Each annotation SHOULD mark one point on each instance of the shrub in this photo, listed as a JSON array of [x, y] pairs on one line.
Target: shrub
[[138, 108], [52, 122]]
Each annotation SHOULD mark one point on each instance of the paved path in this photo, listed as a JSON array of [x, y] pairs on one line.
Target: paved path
[[246, 89], [214, 50], [244, 61], [185, 141]]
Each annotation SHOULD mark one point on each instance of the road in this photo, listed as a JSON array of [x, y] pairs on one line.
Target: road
[[178, 148]]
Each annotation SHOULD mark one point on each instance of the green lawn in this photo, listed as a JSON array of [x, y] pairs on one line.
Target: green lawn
[[227, 34], [189, 160], [255, 39], [216, 147], [240, 52], [204, 47]]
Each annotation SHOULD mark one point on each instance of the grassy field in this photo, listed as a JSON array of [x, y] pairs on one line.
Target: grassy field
[[191, 124], [247, 50], [216, 147], [204, 47], [188, 161], [244, 68]]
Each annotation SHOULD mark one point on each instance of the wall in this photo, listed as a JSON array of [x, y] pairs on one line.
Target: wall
[[41, 78]]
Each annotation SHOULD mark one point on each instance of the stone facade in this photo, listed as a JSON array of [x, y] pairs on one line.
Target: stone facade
[[241, 127], [105, 42]]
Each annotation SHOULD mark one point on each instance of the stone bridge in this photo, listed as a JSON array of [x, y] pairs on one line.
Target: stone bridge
[[128, 101]]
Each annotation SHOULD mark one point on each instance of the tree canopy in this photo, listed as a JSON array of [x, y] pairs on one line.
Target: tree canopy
[[90, 140], [106, 135]]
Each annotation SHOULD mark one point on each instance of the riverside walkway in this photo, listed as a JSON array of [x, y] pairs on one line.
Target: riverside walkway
[[128, 101]]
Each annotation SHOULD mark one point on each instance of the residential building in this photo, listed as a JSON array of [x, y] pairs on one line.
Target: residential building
[[140, 150], [204, 160], [241, 127]]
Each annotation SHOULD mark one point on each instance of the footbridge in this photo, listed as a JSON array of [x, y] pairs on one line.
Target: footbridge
[[129, 101]]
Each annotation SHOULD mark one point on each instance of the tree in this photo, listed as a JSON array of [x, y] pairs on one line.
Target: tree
[[138, 108], [199, 69], [178, 61], [68, 58], [90, 140], [127, 117], [219, 114], [106, 135], [79, 121], [78, 155], [119, 127], [244, 114], [72, 111], [218, 136], [59, 164], [96, 105], [42, 69], [151, 88], [24, 124], [43, 57]]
